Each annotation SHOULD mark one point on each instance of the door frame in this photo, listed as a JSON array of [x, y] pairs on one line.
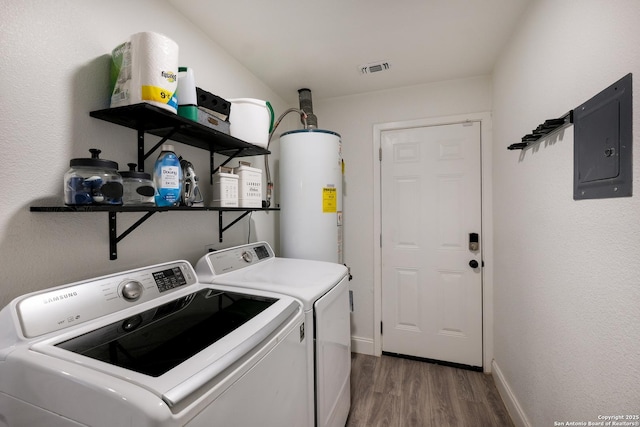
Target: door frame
[[486, 133]]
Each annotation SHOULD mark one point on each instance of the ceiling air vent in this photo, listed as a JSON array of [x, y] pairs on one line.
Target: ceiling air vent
[[375, 67]]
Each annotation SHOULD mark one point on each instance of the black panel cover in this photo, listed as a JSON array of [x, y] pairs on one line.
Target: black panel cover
[[603, 141]]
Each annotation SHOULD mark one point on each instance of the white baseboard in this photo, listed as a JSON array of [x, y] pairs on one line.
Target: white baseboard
[[513, 406], [362, 345]]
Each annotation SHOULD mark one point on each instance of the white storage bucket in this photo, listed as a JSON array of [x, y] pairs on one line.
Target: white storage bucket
[[251, 120]]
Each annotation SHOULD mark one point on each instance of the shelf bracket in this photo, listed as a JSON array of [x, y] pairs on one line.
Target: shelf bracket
[[234, 222], [113, 211], [212, 167], [142, 156], [232, 156], [113, 233]]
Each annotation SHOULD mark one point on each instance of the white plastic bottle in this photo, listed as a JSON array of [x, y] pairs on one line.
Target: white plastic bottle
[[167, 177]]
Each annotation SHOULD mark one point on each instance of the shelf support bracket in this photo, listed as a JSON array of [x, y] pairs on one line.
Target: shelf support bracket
[[212, 167], [232, 156], [142, 156], [113, 232], [223, 229]]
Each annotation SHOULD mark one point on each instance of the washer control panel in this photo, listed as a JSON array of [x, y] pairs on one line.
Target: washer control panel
[[232, 259], [169, 279], [69, 305]]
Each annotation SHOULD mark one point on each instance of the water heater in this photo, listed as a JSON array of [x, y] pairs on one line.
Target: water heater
[[311, 195]]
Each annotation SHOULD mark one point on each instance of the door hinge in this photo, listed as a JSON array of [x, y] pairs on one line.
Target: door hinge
[[380, 154], [380, 328], [380, 239]]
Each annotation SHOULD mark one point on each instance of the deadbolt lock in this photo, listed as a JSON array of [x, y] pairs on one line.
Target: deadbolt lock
[[474, 242]]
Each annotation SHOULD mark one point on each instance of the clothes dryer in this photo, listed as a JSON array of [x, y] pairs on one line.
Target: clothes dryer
[[322, 287]]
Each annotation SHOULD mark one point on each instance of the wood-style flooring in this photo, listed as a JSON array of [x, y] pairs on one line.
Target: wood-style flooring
[[395, 392]]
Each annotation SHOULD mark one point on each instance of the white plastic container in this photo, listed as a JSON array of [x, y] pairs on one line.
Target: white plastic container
[[251, 120], [249, 186], [187, 98], [225, 189]]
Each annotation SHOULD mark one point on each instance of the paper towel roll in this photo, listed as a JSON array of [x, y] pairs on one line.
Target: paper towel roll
[[145, 69]]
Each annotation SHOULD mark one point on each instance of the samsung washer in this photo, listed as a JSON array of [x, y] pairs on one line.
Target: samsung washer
[[322, 287], [153, 347]]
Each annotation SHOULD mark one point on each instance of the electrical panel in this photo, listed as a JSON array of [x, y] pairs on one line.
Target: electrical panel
[[603, 142]]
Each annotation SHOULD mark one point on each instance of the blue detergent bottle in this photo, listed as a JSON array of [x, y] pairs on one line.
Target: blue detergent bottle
[[167, 177]]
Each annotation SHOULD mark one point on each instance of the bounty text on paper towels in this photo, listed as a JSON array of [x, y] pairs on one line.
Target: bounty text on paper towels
[[170, 76]]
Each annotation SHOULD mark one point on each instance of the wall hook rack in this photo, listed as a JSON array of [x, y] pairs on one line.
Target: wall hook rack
[[545, 129]]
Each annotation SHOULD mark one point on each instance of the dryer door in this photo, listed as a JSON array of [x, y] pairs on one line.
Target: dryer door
[[333, 356]]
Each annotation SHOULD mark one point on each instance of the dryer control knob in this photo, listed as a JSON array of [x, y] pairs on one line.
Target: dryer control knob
[[247, 256], [131, 290]]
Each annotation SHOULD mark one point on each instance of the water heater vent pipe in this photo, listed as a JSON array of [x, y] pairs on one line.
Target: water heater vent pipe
[[306, 105]]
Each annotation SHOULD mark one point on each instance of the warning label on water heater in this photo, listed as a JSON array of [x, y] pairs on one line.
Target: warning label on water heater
[[329, 200]]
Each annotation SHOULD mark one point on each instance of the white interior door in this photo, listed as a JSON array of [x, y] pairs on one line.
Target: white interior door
[[430, 205]]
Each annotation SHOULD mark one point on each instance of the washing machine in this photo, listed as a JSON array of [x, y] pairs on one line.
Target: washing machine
[[322, 287], [153, 347]]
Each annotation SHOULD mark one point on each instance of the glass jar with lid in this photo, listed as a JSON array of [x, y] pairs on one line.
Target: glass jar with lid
[[92, 181], [138, 187]]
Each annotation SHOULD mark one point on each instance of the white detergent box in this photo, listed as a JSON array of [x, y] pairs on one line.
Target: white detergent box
[[249, 185], [225, 189]]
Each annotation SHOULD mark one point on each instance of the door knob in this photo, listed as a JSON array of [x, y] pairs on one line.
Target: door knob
[[473, 263]]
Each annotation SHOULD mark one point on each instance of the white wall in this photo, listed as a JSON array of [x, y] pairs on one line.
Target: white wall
[[55, 62], [566, 272], [353, 118]]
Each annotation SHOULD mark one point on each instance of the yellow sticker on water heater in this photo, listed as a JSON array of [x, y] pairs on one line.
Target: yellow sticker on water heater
[[329, 200]]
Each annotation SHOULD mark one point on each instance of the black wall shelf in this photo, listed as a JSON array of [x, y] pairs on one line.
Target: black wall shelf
[[147, 118]]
